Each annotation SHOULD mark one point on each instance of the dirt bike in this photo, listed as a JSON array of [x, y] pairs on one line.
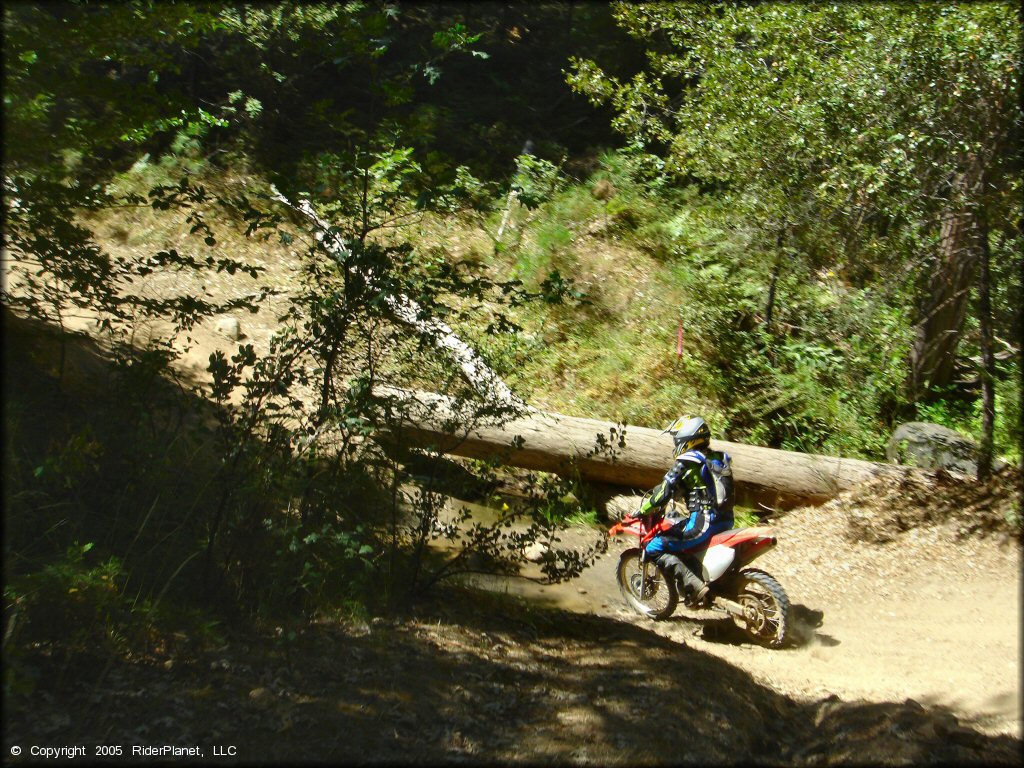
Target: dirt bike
[[755, 600]]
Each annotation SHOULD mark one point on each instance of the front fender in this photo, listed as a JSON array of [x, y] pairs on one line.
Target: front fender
[[631, 525]]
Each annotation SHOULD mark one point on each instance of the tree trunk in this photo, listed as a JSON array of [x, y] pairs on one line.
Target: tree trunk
[[937, 334], [988, 368], [769, 309], [616, 454], [505, 216], [1020, 350]]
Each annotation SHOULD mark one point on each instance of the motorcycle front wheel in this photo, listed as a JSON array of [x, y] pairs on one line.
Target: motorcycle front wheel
[[657, 597], [765, 618]]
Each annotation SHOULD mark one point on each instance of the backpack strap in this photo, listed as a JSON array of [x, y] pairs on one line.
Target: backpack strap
[[693, 457]]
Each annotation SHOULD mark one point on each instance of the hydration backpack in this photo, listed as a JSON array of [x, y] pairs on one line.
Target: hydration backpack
[[717, 473]]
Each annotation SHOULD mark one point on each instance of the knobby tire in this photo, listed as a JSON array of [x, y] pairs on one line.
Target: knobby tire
[[660, 595], [770, 624]]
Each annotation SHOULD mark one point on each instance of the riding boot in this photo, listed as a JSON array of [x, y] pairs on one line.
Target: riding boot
[[691, 588], [694, 588]]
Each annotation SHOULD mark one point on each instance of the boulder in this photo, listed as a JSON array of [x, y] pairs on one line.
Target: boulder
[[933, 446], [535, 552], [229, 327], [621, 505]]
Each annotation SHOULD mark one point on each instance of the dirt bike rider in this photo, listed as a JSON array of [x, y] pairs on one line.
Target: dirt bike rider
[[691, 481]]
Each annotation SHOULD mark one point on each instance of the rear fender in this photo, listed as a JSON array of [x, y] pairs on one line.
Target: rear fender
[[736, 536], [753, 549]]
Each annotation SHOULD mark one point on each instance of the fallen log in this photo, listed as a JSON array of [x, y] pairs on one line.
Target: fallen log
[[622, 455]]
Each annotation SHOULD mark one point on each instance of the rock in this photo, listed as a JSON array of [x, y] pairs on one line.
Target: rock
[[230, 327], [603, 190], [933, 446], [620, 506], [535, 552]]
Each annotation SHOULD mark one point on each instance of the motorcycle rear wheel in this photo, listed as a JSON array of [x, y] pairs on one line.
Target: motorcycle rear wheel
[[766, 608], [659, 596]]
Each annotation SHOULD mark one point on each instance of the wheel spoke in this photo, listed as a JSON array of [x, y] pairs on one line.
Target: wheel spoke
[[656, 599], [766, 608]]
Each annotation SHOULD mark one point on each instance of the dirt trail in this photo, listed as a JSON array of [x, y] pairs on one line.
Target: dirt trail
[[925, 617], [475, 678], [913, 670]]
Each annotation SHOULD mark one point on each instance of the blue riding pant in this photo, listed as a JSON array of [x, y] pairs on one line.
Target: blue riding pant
[[674, 545]]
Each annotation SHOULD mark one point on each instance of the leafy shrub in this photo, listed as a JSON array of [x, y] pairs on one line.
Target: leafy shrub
[[70, 601], [535, 180]]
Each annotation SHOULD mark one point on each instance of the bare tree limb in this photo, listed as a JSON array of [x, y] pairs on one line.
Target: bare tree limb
[[475, 371]]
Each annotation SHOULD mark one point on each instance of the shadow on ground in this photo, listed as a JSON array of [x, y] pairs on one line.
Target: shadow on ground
[[475, 678], [468, 678]]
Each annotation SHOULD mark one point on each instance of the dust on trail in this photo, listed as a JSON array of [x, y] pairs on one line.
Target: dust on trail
[[925, 616]]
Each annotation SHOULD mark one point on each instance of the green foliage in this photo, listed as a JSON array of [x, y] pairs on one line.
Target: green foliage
[[830, 378], [70, 594], [86, 76], [280, 503], [564, 500], [784, 100], [194, 125], [535, 180], [780, 103], [774, 111], [757, 161], [745, 518]]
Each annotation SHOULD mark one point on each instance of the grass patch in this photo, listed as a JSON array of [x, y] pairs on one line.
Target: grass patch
[[745, 517]]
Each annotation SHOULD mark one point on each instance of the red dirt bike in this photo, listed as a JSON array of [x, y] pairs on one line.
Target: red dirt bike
[[754, 599]]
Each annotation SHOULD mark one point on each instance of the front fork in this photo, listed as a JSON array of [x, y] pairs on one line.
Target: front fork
[[643, 571]]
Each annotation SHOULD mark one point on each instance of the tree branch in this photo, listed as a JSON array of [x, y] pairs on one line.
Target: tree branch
[[475, 371]]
